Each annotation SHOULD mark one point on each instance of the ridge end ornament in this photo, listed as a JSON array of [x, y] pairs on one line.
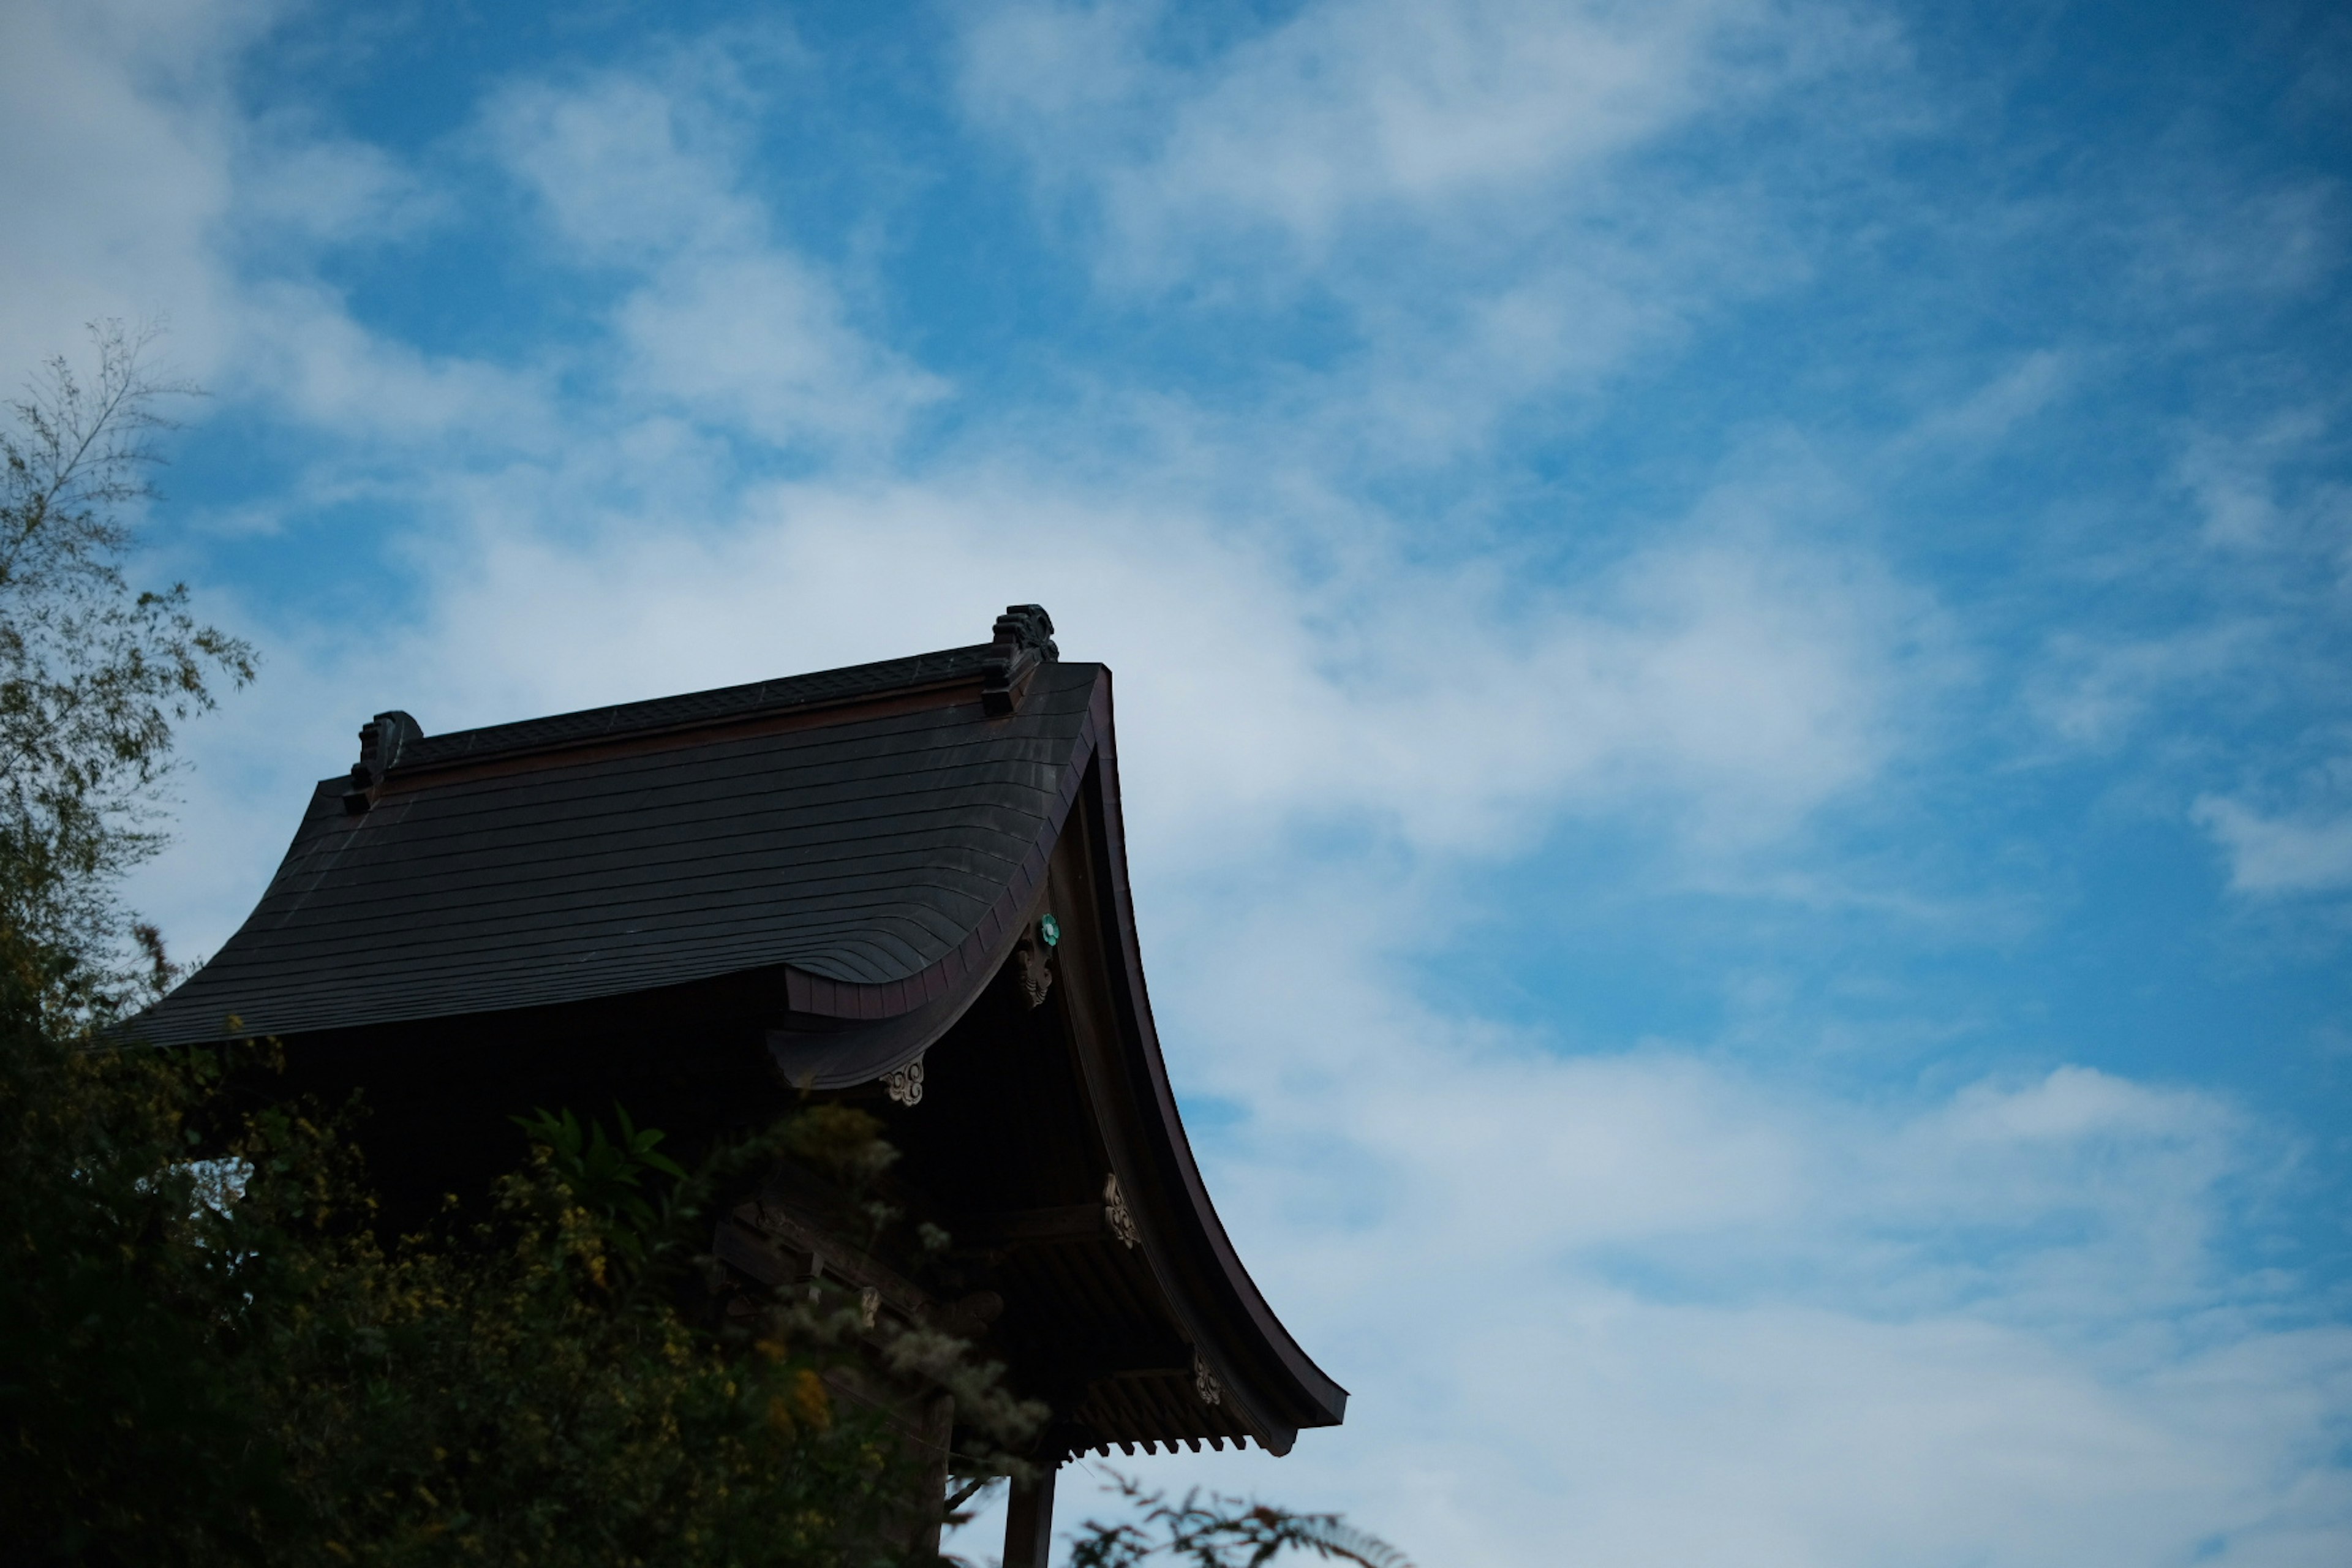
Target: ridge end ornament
[[1021, 642], [382, 740], [1115, 1210], [1204, 1381], [905, 1085]]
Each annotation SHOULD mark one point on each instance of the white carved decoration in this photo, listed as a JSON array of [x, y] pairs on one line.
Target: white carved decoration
[[906, 1084], [869, 1305], [1122, 1223], [1204, 1381]]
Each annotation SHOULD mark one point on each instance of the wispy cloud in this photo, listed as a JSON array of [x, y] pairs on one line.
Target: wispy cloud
[[2309, 851], [116, 130], [720, 317], [1696, 1311], [1704, 1290], [1341, 115], [1472, 191]]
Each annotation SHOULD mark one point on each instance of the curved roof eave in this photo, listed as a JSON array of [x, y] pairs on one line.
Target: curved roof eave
[[1282, 1375], [1198, 1265]]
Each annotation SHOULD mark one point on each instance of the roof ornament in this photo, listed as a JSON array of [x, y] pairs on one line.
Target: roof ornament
[[1204, 1381], [1115, 1210], [1031, 952], [382, 740], [1023, 640], [905, 1085]]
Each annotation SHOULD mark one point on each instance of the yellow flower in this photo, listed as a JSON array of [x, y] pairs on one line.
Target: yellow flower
[[815, 1404]]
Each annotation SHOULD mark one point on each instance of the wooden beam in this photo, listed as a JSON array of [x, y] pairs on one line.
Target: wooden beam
[[1029, 1522], [828, 1255], [1022, 1227]]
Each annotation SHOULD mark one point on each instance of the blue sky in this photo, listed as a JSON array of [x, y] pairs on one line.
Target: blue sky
[[1731, 618]]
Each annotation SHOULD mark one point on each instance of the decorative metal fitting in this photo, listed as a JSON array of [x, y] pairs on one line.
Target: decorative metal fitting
[[1205, 1383], [1036, 975], [904, 1084], [1115, 1210]]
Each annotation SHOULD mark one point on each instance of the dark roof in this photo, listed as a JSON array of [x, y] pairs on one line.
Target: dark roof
[[858, 826], [955, 666], [859, 850]]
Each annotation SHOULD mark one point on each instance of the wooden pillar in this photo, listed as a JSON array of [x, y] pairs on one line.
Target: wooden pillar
[[936, 1431], [1029, 1522]]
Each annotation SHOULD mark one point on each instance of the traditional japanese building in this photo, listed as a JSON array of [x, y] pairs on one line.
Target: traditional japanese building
[[902, 885]]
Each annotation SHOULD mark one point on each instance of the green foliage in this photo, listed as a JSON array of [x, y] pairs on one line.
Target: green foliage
[[607, 1177], [1224, 1532], [116, 1411], [94, 675], [261, 1379], [841, 1142]]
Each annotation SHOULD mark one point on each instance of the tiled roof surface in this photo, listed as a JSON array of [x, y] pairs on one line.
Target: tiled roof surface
[[862, 849], [699, 706]]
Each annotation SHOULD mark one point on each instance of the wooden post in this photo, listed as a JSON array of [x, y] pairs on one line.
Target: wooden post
[[1029, 1522], [937, 1430]]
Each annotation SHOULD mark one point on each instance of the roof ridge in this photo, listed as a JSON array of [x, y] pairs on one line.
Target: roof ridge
[[693, 708], [1022, 640]]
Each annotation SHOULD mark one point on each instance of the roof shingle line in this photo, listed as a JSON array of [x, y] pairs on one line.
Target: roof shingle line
[[398, 946], [723, 797], [695, 708], [935, 830], [850, 735], [858, 866], [780, 878]]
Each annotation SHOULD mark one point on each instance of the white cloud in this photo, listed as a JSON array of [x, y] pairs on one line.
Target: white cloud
[[758, 340], [2268, 489], [303, 352], [2018, 393], [2234, 481], [2304, 852], [1453, 192], [722, 318], [1340, 111], [2091, 693], [1644, 1302], [627, 171], [1651, 1307], [2233, 235], [137, 188], [299, 186], [1732, 682], [114, 149]]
